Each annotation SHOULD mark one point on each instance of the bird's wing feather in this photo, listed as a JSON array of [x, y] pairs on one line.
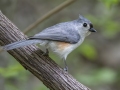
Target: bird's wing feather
[[60, 32]]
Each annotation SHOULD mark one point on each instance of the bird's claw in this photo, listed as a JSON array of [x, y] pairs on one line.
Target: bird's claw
[[66, 69], [46, 53]]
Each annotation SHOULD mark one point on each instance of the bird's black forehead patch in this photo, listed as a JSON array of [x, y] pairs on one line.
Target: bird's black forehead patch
[[91, 25]]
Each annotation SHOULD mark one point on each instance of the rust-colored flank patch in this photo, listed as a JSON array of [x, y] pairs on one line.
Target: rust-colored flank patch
[[62, 45]]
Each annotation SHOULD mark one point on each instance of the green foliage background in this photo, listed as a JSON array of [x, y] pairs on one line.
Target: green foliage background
[[95, 63]]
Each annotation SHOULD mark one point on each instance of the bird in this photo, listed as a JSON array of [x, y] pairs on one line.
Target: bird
[[61, 38]]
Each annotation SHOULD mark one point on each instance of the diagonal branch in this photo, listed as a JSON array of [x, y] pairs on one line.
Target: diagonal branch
[[30, 57], [47, 15]]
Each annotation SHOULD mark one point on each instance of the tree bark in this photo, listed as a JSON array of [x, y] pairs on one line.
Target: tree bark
[[30, 57]]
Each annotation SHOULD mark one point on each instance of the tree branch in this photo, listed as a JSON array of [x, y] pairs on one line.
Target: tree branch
[[47, 15], [30, 57]]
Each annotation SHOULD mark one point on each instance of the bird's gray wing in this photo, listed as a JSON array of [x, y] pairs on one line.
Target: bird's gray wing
[[60, 32]]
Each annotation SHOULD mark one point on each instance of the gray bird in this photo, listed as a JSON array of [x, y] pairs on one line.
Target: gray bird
[[61, 38]]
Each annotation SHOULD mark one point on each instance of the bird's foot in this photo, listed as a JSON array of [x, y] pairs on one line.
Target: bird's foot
[[66, 69], [46, 53]]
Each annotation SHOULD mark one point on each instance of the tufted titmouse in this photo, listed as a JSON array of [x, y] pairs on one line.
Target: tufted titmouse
[[61, 38]]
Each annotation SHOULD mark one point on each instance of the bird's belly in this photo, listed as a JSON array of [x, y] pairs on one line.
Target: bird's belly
[[62, 49]]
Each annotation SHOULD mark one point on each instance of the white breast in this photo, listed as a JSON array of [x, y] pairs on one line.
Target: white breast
[[64, 52]]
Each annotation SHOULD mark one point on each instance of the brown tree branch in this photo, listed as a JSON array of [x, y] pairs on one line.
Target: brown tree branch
[[30, 57]]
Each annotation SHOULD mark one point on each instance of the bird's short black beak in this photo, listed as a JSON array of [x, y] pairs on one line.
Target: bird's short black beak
[[92, 30]]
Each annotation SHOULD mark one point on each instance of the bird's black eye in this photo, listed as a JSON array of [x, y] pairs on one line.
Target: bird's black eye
[[85, 24]]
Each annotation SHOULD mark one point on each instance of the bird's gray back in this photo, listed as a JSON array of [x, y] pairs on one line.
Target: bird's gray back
[[65, 32]]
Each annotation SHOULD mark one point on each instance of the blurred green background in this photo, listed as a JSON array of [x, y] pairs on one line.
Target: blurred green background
[[96, 63]]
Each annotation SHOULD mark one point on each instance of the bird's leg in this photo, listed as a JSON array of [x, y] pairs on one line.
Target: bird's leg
[[46, 53], [65, 67]]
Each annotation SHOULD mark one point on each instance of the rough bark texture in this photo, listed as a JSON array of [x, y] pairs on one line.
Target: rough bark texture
[[31, 58]]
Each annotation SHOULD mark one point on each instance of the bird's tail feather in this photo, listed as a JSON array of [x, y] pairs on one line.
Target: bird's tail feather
[[20, 44]]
